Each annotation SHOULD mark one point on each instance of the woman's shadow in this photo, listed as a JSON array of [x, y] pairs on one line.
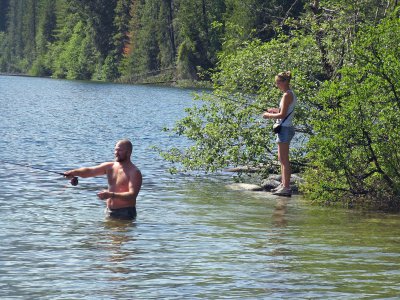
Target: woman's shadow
[[279, 217]]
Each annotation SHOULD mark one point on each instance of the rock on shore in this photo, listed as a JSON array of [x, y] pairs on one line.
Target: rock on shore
[[244, 187], [268, 184]]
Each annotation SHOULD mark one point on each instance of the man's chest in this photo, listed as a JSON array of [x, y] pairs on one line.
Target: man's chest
[[118, 178]]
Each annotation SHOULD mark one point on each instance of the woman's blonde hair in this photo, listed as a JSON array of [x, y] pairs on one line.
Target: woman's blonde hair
[[285, 76]]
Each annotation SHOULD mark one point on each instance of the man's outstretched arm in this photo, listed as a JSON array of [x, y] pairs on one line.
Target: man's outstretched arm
[[89, 171]]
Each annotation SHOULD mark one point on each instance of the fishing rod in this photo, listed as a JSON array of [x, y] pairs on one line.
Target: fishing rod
[[73, 181]]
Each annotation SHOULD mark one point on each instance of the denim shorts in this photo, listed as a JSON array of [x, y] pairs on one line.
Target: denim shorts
[[286, 134]]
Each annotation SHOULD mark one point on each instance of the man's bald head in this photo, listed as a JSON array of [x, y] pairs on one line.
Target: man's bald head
[[123, 150], [127, 143]]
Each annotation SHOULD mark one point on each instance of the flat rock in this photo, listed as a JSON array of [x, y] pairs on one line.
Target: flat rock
[[244, 187], [269, 184]]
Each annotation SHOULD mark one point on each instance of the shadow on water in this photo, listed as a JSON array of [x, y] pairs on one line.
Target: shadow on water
[[279, 217], [118, 235]]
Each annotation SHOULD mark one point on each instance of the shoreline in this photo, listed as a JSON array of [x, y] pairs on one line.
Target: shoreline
[[183, 83]]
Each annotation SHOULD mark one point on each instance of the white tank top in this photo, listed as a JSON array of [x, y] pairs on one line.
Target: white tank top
[[289, 120]]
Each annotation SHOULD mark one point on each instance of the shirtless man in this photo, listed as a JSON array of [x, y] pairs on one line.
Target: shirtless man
[[124, 181]]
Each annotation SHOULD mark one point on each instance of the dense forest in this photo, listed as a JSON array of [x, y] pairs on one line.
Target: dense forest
[[129, 40], [344, 56]]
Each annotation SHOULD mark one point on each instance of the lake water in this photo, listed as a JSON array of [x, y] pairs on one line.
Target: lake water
[[193, 238]]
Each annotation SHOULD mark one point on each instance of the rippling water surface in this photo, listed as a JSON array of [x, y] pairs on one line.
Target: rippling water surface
[[193, 238]]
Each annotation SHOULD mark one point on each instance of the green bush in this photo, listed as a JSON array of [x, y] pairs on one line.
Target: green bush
[[355, 150]]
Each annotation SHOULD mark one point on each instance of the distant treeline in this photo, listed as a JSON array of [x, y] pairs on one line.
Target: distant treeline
[[131, 39]]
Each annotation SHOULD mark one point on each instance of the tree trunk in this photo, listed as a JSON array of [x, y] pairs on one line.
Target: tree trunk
[[170, 5]]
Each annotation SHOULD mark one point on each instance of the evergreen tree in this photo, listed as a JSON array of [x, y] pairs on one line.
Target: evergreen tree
[[166, 34], [99, 14], [14, 39], [45, 35], [3, 14], [197, 45], [144, 45], [28, 31], [120, 39]]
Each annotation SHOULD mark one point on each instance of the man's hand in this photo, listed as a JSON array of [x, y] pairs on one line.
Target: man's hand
[[69, 174], [104, 195]]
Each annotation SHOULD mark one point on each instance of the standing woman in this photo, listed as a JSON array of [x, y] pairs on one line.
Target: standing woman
[[285, 110]]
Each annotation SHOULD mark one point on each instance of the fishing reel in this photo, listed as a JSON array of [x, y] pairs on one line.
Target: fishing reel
[[74, 181]]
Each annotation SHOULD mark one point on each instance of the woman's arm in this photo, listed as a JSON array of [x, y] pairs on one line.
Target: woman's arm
[[287, 99]]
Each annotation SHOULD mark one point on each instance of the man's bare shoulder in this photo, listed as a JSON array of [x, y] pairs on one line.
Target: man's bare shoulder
[[134, 170], [108, 164]]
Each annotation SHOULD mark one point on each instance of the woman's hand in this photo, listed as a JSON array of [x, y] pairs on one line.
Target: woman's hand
[[273, 110], [266, 115], [270, 113]]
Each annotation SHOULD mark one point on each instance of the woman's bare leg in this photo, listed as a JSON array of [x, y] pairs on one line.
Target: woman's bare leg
[[283, 156]]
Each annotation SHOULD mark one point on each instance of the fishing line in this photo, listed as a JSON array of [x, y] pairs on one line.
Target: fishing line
[[73, 181]]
